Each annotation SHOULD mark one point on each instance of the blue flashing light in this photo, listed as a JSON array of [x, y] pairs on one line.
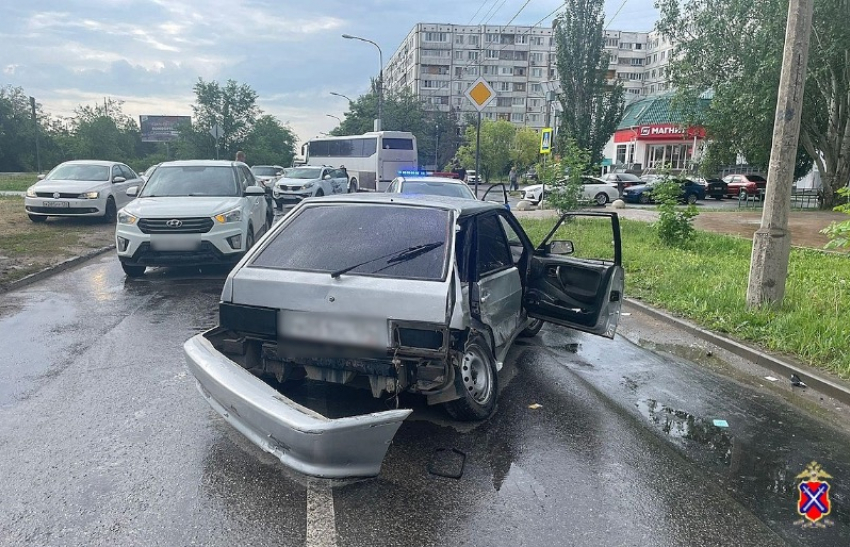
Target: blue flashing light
[[414, 173]]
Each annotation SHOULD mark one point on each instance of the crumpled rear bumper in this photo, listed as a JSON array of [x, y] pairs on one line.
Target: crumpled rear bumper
[[301, 438]]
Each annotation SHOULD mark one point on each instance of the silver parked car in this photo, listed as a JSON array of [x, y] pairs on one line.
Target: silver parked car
[[332, 295], [81, 188]]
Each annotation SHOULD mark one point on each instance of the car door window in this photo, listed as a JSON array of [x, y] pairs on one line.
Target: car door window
[[126, 172], [514, 241], [493, 251]]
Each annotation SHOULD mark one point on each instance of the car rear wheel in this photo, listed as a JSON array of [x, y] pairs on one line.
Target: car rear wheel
[[601, 198], [133, 271], [477, 377], [743, 194], [319, 193], [643, 198], [352, 186], [37, 218], [532, 329], [691, 199]]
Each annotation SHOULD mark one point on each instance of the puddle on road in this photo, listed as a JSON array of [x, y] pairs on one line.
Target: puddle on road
[[681, 425]]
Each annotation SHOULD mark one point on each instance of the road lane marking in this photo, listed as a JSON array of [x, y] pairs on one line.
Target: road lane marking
[[321, 521]]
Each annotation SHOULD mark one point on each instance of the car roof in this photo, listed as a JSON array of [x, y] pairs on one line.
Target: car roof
[[446, 180], [201, 163], [463, 206], [91, 162]]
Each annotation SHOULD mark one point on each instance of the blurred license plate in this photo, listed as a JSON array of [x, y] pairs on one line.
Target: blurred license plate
[[55, 203], [354, 331], [176, 242]]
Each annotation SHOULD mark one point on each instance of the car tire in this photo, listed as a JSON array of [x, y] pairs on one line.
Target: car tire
[[532, 329], [319, 193], [352, 186], [643, 198], [249, 239], [279, 203], [601, 199], [110, 216], [718, 198], [133, 271], [479, 381], [37, 218], [691, 199], [742, 194]]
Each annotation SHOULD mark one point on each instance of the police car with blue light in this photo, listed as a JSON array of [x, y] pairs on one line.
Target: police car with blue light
[[429, 183]]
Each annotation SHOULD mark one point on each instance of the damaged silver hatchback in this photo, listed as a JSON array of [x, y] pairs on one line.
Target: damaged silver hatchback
[[393, 294]]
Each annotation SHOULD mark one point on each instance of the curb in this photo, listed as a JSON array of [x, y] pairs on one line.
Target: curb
[[814, 380], [55, 269]]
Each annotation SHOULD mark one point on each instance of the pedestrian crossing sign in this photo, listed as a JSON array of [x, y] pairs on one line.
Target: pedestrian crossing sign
[[546, 140]]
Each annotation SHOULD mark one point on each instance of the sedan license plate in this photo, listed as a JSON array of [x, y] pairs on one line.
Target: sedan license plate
[[176, 242], [353, 331], [57, 204]]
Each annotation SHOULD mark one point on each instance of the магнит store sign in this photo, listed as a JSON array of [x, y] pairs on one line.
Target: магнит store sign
[[658, 131]]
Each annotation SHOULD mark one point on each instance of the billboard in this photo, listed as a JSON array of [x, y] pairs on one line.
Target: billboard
[[161, 128]]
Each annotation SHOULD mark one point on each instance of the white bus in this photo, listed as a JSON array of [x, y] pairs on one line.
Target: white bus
[[372, 160]]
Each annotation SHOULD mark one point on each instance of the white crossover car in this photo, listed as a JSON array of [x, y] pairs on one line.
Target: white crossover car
[[83, 188], [309, 181], [592, 190], [191, 213], [334, 294]]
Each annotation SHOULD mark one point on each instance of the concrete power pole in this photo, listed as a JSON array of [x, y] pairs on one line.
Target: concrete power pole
[[772, 241]]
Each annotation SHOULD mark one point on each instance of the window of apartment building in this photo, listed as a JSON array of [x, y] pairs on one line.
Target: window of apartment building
[[503, 101], [613, 59], [436, 37], [489, 70], [663, 54], [458, 55], [458, 101], [489, 115], [519, 71], [534, 118], [492, 37], [459, 39], [534, 103], [551, 73], [458, 71], [536, 57], [652, 74], [518, 101], [521, 39], [492, 54], [637, 62], [473, 40], [507, 39], [434, 84], [435, 69], [471, 55], [551, 40], [472, 71], [625, 45], [459, 87], [622, 75], [536, 88], [654, 58], [517, 117], [536, 72], [506, 71], [634, 91], [612, 42], [652, 89], [519, 86], [638, 46], [635, 76], [504, 86], [436, 53], [536, 40]]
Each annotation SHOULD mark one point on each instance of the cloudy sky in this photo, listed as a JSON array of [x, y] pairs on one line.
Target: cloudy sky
[[149, 53]]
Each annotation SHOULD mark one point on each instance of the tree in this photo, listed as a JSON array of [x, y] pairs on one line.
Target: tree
[[592, 107], [104, 132], [270, 142], [526, 147], [742, 69], [232, 106], [17, 134], [497, 139]]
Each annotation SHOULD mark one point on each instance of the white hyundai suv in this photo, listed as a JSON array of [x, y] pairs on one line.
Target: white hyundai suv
[[191, 213]]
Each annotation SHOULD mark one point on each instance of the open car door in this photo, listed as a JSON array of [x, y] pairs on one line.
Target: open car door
[[575, 278], [500, 195]]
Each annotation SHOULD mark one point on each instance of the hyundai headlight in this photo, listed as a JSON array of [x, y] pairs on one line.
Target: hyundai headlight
[[88, 195], [126, 218], [230, 216], [31, 192], [309, 184]]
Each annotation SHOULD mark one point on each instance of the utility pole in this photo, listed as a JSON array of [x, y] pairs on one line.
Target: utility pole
[[478, 154], [772, 241], [35, 127]]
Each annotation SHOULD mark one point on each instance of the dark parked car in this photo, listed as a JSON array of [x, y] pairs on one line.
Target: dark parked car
[[642, 193], [744, 185], [716, 188]]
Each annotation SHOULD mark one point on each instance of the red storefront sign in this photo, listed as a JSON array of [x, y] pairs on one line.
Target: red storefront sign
[[658, 132]]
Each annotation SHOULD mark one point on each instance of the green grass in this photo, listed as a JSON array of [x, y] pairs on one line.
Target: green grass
[[708, 285], [17, 183]]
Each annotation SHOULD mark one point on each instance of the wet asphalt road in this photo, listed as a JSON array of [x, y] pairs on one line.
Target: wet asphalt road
[[105, 441]]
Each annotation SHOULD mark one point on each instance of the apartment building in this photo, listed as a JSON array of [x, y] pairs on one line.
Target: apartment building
[[438, 62]]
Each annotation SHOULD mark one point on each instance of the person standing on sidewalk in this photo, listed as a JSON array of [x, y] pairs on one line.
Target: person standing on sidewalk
[[512, 177]]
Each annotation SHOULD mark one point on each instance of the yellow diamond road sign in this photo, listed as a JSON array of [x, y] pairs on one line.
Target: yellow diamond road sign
[[480, 93]]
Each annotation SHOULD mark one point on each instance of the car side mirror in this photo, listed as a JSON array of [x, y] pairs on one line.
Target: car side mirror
[[255, 191], [561, 247], [327, 177], [119, 178], [132, 191]]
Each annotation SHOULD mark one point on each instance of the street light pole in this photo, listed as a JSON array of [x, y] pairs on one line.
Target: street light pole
[[334, 93], [337, 118], [437, 147], [380, 76]]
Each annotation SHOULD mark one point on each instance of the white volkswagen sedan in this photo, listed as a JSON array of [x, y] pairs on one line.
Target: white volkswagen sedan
[[592, 190], [86, 188], [309, 181]]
